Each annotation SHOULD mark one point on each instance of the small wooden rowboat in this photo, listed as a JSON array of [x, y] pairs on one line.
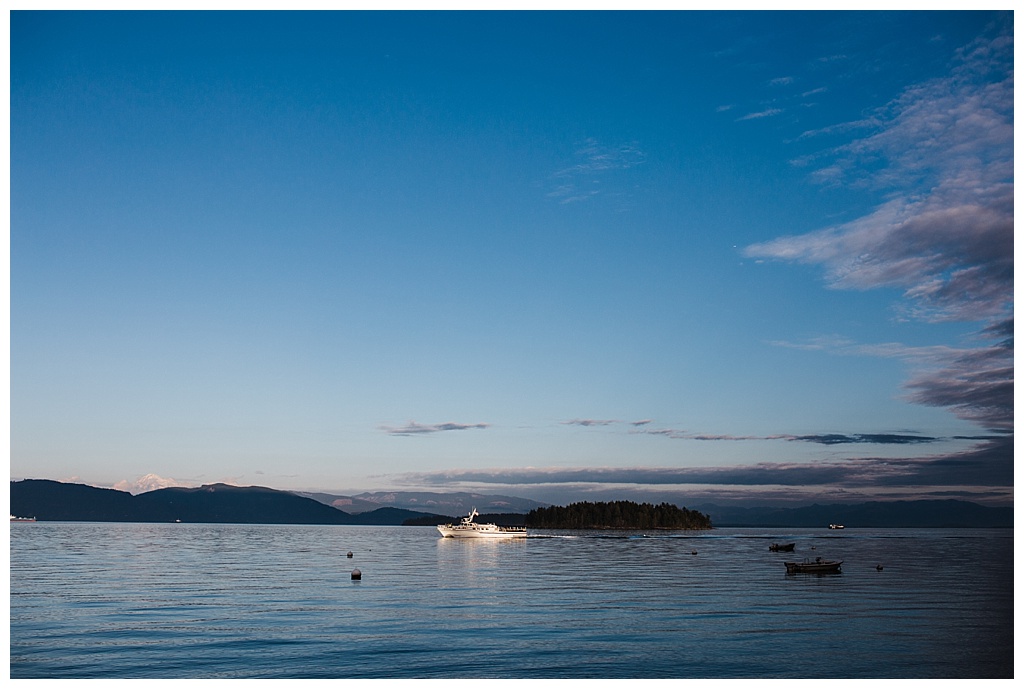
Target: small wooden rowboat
[[817, 566]]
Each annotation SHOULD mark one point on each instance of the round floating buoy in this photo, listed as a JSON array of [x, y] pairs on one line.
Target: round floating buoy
[[356, 575], [349, 554]]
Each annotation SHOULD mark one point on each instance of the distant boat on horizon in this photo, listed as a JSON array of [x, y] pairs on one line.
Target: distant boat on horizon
[[836, 526], [22, 519]]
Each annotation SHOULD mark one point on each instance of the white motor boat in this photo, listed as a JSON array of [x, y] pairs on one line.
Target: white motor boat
[[467, 528]]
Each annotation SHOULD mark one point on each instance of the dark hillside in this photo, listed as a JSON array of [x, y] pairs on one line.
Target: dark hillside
[[56, 501], [221, 503], [384, 516], [217, 503]]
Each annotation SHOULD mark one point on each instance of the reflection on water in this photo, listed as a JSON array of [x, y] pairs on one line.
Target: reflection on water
[[473, 561]]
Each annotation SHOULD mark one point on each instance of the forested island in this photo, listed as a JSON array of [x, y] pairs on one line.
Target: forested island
[[621, 514]]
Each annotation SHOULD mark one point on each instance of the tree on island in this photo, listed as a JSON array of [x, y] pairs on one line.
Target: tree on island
[[621, 514]]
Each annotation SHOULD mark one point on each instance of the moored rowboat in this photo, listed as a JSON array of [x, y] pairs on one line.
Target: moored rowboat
[[818, 566]]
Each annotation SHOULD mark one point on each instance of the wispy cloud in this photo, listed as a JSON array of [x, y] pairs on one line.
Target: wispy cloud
[[642, 428], [594, 162], [953, 259], [871, 438], [942, 152], [769, 112], [817, 344], [413, 428], [604, 422], [976, 384], [820, 438]]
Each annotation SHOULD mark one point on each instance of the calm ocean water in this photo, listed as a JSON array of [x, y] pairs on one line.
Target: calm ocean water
[[91, 600]]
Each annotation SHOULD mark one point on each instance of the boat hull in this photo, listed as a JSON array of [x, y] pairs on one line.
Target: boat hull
[[453, 532], [823, 567], [468, 528]]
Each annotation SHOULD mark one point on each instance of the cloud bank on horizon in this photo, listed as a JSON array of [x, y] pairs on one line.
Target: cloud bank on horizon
[[985, 464]]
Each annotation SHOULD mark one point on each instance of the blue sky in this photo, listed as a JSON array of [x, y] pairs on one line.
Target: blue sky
[[571, 255]]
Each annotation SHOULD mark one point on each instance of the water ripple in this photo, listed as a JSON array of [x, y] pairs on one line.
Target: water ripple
[[244, 601]]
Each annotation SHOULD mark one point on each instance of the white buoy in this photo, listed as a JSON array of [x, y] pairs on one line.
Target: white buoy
[[356, 575]]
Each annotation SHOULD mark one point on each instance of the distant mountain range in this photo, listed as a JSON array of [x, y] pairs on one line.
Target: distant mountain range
[[431, 503], [216, 503], [220, 503]]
